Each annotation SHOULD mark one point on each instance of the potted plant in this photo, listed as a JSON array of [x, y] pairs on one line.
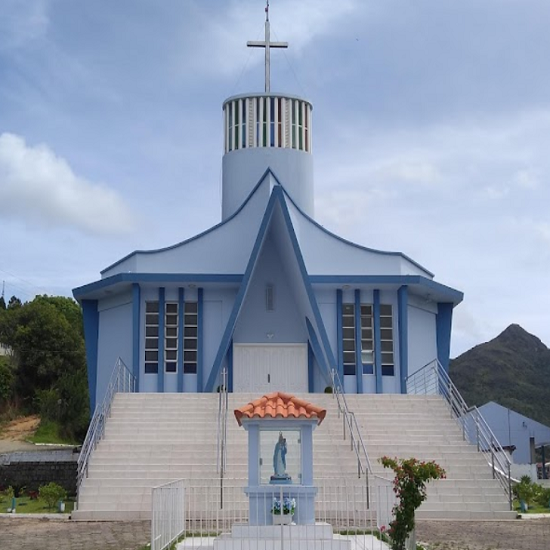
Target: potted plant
[[283, 511]]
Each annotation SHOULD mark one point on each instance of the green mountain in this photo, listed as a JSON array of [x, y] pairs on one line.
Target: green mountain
[[512, 370]]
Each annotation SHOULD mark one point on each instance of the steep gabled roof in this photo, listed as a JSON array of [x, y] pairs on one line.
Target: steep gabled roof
[[279, 405], [277, 212]]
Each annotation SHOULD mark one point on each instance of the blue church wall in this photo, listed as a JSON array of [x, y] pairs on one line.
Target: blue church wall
[[90, 317], [512, 428], [284, 323], [444, 321], [212, 251], [114, 338], [216, 303], [421, 333], [243, 168], [346, 258]]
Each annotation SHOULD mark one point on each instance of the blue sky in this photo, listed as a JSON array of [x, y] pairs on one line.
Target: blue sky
[[431, 135]]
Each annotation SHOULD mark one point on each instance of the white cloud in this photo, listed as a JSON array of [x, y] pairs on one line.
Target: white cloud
[[41, 188]]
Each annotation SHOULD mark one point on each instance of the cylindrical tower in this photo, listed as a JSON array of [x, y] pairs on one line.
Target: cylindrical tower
[[267, 130]]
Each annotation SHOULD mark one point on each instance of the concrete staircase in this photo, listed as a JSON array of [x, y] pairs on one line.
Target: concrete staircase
[[152, 439]]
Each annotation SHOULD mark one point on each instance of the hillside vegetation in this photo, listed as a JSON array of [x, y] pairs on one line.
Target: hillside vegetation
[[44, 370], [513, 370]]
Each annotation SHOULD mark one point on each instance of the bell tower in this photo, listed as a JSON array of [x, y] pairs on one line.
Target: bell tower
[[267, 130]]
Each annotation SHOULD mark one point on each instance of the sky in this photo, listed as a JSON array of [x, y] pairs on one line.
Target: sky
[[431, 135]]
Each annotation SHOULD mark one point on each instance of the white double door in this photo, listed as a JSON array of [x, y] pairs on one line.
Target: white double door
[[270, 367]]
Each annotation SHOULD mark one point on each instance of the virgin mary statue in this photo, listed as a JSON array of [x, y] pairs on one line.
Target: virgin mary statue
[[279, 460]]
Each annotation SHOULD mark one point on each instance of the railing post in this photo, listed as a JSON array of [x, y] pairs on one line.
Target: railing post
[[493, 457], [344, 423], [510, 499]]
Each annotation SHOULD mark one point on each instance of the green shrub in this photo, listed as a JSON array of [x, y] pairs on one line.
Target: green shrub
[[51, 493], [328, 389], [543, 497], [9, 493], [526, 490]]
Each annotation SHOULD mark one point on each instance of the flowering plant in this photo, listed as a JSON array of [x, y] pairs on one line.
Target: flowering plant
[[409, 485], [289, 506]]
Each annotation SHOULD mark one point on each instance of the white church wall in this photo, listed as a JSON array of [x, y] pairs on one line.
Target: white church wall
[[422, 337], [114, 339]]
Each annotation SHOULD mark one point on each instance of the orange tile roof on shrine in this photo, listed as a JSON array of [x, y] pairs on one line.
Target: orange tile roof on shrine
[[279, 405]]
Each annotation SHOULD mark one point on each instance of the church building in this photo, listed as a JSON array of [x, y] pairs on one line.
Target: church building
[[268, 295]]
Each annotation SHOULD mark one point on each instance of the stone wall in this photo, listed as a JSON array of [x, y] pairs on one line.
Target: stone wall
[[33, 469]]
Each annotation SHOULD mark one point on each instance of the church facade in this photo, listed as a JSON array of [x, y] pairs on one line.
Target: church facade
[[268, 294]]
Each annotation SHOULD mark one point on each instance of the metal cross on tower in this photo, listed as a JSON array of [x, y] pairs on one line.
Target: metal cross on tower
[[267, 44]]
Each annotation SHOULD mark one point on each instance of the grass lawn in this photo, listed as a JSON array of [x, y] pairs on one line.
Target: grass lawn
[[24, 505], [48, 432], [534, 508]]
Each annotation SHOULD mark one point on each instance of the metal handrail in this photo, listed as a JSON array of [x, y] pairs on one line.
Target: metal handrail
[[221, 461], [357, 443], [433, 379], [221, 455], [122, 381]]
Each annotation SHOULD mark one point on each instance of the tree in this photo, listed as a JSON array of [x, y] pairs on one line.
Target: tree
[[2, 303], [14, 303], [7, 382], [46, 346]]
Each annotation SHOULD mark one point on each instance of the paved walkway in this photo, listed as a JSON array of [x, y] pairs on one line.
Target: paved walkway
[[40, 534], [521, 534]]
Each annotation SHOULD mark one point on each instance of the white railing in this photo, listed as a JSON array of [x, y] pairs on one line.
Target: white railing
[[432, 379], [351, 426], [122, 381], [167, 514], [342, 503]]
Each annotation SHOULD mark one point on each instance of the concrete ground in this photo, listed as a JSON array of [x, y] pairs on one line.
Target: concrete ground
[[40, 534]]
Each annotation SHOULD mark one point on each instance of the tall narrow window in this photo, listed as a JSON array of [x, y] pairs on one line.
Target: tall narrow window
[[237, 125], [190, 337], [264, 122], [293, 116], [243, 123], [269, 297], [367, 339], [348, 338], [280, 122], [171, 337], [300, 127], [386, 339], [151, 337], [306, 126], [230, 124], [272, 122], [257, 116]]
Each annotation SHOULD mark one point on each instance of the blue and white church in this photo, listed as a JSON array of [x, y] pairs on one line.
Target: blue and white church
[[267, 295]]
